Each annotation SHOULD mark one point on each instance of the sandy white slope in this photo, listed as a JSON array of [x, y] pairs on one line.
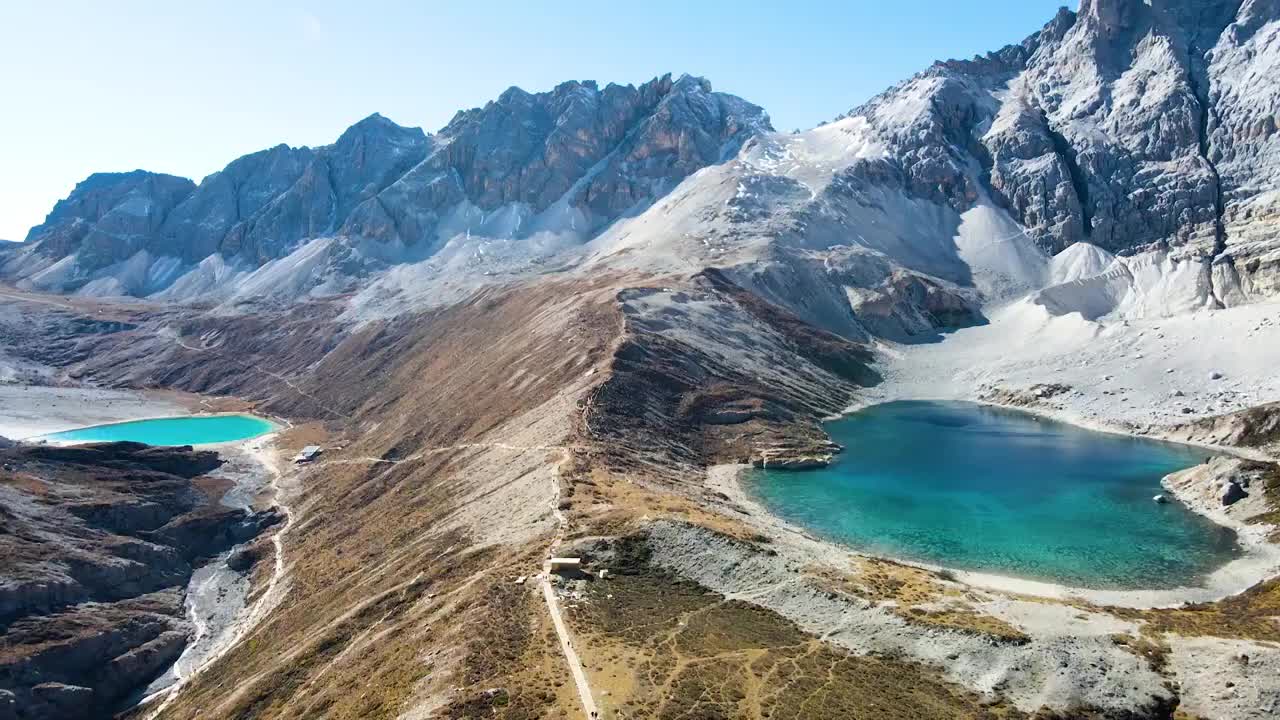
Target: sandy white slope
[[1141, 371], [1077, 262]]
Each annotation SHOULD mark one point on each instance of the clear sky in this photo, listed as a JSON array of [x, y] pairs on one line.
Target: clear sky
[[186, 87]]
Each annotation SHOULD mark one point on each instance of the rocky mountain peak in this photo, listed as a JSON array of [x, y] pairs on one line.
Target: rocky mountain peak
[[379, 125], [101, 193], [109, 215], [532, 148], [691, 83], [1129, 125], [1109, 16], [563, 162], [1060, 24]]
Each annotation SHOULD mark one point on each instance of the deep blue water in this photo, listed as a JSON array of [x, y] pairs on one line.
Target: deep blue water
[[978, 488], [194, 430]]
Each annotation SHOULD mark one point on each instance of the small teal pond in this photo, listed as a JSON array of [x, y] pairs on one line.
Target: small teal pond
[[977, 488], [192, 430]]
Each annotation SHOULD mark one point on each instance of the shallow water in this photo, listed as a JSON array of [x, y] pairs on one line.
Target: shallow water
[[978, 488], [192, 430]]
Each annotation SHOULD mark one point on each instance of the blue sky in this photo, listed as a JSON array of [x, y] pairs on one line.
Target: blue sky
[[185, 87]]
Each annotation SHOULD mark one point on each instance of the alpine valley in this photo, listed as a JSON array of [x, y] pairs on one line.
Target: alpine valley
[[569, 323]]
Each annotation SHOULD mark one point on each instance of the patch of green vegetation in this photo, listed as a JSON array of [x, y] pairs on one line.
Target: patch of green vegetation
[[504, 673]]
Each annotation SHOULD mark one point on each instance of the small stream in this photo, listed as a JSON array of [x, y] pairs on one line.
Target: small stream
[[216, 595]]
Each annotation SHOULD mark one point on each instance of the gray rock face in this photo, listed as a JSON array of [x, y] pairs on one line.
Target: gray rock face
[[1129, 125], [566, 161], [368, 157], [229, 199], [1093, 129], [570, 160], [533, 149], [109, 216]]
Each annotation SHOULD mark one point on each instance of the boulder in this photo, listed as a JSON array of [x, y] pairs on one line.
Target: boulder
[[56, 701], [8, 705], [1231, 493], [244, 557]]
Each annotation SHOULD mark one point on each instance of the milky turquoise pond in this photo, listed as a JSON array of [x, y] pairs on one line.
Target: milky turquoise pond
[[191, 430], [972, 487]]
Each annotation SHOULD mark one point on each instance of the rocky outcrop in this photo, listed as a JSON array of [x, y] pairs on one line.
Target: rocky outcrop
[[626, 144], [1229, 489], [752, 385], [98, 544], [1037, 396], [1256, 427]]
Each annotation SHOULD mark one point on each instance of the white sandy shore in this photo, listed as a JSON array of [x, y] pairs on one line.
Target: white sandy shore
[[28, 411], [217, 596], [1124, 375]]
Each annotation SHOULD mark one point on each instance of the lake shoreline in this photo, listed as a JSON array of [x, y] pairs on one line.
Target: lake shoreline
[[1259, 561], [995, 491], [271, 426]]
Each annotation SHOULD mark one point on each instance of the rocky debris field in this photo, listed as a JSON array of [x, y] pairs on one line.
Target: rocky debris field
[[97, 545]]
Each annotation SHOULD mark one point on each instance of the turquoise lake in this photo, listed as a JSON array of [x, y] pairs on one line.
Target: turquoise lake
[[972, 487], [193, 430]]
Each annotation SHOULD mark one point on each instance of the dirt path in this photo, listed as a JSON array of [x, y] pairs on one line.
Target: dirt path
[[589, 709], [177, 340], [438, 450], [43, 301]]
